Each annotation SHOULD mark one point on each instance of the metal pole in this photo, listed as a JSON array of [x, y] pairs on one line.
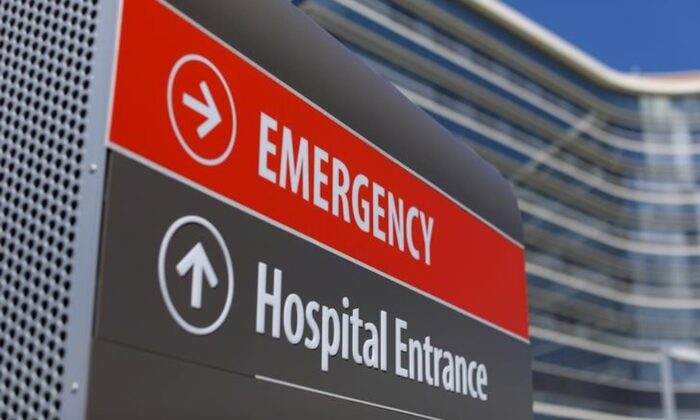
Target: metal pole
[[667, 391]]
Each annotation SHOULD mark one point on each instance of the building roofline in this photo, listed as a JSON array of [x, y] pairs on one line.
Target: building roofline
[[580, 61]]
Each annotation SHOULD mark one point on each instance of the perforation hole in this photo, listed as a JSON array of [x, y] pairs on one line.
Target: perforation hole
[[46, 51]]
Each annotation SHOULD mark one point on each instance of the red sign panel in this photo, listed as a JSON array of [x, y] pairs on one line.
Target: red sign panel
[[186, 102]]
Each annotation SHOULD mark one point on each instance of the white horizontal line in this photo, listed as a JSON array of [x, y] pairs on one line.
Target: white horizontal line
[[555, 163], [597, 378], [578, 59], [606, 238], [608, 293], [524, 94], [343, 397], [594, 346], [548, 79], [548, 409], [213, 194], [457, 59]]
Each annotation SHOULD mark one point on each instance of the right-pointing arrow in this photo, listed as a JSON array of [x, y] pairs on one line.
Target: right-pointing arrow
[[207, 110], [198, 262]]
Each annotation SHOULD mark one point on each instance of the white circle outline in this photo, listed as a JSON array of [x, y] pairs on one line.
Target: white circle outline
[[185, 220], [171, 112]]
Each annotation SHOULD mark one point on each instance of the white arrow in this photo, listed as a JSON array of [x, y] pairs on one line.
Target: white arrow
[[207, 110], [198, 262]]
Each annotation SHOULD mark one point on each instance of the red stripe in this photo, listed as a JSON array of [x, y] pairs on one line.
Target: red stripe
[[472, 266]]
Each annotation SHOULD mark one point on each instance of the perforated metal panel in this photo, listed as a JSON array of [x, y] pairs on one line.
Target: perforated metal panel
[[46, 55]]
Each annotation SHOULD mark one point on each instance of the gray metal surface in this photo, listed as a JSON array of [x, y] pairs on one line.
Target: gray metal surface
[[52, 119]]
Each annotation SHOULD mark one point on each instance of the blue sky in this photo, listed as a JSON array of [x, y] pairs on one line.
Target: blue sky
[[645, 35]]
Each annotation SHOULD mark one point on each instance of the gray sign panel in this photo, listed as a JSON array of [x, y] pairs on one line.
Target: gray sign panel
[[279, 244], [165, 283]]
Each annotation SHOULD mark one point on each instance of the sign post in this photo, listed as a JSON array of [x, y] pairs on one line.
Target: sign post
[[263, 257]]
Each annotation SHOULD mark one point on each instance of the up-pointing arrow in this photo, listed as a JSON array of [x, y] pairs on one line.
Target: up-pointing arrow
[[208, 110], [198, 262]]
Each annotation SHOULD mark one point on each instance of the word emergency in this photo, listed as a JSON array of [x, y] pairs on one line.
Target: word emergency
[[311, 172]]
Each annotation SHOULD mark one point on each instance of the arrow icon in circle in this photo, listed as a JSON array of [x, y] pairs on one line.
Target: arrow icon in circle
[[208, 110], [198, 262]]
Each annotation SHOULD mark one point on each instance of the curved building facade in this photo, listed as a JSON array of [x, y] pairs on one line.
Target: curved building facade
[[606, 167]]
